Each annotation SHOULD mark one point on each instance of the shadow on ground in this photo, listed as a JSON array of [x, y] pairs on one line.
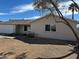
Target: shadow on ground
[[44, 41]]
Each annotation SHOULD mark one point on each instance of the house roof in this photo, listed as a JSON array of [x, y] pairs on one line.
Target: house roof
[[16, 22], [28, 22], [56, 16]]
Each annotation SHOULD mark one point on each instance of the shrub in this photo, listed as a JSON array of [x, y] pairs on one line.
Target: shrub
[[31, 35]]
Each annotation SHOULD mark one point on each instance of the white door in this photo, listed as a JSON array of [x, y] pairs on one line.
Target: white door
[[7, 28]]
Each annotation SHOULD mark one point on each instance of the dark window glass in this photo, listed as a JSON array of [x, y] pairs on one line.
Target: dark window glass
[[47, 27], [53, 28], [25, 28]]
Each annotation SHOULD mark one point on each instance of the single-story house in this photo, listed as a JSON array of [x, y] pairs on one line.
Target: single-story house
[[49, 26], [53, 27], [15, 26]]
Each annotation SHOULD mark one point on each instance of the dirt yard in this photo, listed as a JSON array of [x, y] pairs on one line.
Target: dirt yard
[[17, 47]]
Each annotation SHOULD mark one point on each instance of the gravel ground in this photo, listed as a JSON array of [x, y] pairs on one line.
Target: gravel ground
[[33, 51]]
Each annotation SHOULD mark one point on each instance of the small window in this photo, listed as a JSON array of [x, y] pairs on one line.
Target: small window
[[25, 28], [53, 28], [47, 27]]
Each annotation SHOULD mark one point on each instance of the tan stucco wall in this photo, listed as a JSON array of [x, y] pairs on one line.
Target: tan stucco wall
[[38, 27], [75, 28]]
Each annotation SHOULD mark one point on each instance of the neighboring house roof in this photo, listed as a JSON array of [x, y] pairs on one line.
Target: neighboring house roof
[[28, 22], [57, 17], [17, 22]]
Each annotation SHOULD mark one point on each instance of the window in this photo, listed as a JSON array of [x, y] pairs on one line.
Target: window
[[50, 28], [53, 28], [47, 27], [25, 28]]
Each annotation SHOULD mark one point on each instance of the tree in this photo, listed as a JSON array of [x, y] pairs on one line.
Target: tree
[[73, 8], [43, 4], [76, 5]]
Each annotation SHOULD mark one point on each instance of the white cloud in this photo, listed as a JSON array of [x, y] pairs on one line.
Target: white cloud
[[22, 8], [34, 17], [69, 13], [19, 9], [4, 14], [64, 6], [28, 7]]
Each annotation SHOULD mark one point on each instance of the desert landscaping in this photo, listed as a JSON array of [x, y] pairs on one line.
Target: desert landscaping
[[39, 29], [11, 48]]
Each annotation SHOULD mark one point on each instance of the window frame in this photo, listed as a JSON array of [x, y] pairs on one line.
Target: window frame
[[50, 28], [47, 27]]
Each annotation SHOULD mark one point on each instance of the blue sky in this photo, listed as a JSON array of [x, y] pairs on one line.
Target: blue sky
[[19, 9]]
